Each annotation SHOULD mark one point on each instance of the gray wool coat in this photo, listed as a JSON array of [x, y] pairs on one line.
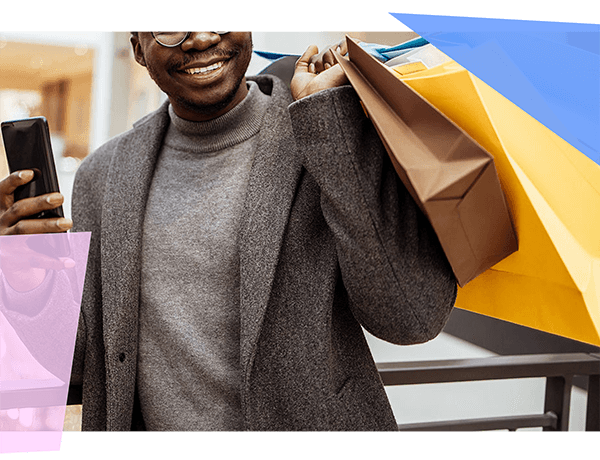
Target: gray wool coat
[[330, 240]]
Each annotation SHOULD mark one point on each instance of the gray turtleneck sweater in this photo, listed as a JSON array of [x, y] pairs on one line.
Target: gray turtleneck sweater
[[188, 373]]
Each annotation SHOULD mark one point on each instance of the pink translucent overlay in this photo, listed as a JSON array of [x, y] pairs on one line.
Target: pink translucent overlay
[[41, 282]]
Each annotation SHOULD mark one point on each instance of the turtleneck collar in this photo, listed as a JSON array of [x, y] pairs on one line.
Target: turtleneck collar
[[236, 126]]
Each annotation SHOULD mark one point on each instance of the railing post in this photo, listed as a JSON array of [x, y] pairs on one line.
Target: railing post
[[558, 400], [592, 418]]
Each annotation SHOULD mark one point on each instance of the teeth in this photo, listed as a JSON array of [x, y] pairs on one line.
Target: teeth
[[198, 70]]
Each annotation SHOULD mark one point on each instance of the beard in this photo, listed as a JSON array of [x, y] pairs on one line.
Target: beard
[[208, 109], [241, 55]]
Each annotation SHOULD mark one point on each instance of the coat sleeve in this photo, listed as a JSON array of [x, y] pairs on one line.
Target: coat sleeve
[[399, 282]]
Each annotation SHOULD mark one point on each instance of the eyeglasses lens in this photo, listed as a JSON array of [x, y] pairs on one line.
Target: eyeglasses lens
[[170, 38]]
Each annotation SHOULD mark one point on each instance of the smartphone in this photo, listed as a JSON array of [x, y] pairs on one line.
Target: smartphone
[[27, 145]]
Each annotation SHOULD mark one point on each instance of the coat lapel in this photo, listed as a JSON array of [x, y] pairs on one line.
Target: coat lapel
[[271, 188], [129, 178]]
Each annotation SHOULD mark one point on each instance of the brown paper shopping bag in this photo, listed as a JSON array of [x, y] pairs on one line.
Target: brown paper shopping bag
[[451, 177]]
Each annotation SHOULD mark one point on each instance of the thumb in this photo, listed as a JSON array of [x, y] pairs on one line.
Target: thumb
[[303, 61], [67, 262]]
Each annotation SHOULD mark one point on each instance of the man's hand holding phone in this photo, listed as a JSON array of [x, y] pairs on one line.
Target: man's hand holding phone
[[14, 214], [25, 268]]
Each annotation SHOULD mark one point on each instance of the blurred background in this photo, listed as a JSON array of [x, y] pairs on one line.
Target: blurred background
[[90, 89]]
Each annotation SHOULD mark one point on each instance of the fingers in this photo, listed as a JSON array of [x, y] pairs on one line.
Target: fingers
[[328, 60], [303, 63], [325, 60], [9, 184], [342, 47], [50, 263], [37, 226], [314, 62], [316, 72], [14, 215], [28, 207], [14, 180]]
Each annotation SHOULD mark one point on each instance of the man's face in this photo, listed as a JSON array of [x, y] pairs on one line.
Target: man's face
[[204, 76]]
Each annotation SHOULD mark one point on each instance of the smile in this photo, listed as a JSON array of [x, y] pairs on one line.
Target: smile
[[202, 70]]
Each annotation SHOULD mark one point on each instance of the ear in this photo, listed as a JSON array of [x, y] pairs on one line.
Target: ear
[[138, 53]]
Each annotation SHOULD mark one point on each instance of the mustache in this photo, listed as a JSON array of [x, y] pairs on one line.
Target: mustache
[[194, 56]]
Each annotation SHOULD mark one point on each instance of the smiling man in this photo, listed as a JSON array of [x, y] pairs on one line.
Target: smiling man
[[206, 78], [241, 236]]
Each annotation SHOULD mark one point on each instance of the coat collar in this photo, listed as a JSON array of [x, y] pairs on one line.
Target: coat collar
[[273, 179]]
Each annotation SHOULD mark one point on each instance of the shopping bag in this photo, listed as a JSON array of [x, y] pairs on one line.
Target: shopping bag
[[552, 283], [450, 176]]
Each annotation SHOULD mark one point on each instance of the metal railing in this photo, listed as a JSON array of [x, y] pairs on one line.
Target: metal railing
[[558, 369]]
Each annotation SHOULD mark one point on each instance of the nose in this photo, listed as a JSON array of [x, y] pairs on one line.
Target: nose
[[200, 41]]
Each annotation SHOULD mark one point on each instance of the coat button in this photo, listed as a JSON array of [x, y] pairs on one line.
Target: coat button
[[122, 357]]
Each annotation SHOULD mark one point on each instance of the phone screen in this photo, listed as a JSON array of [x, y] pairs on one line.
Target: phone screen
[[27, 144]]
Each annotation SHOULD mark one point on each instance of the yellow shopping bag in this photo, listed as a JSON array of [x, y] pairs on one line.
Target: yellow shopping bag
[[552, 283]]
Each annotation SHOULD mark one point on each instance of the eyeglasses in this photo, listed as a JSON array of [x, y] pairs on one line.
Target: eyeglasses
[[173, 39]]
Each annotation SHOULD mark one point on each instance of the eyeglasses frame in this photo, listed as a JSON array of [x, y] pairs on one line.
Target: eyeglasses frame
[[187, 35]]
